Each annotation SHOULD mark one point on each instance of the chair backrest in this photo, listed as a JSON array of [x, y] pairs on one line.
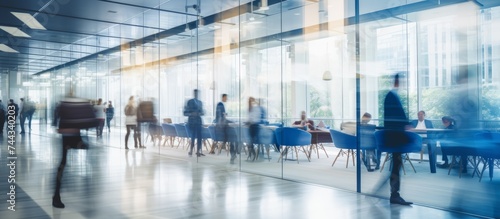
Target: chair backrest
[[181, 130], [215, 134], [288, 136], [169, 130], [367, 137], [279, 125], [396, 141], [488, 144], [244, 133], [205, 133], [343, 140], [155, 129], [266, 136]]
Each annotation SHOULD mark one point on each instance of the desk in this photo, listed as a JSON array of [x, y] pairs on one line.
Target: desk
[[318, 137]]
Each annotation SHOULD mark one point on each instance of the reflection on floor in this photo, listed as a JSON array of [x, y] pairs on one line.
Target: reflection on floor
[[107, 181]]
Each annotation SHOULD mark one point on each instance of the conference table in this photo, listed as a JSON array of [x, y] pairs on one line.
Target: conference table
[[318, 137]]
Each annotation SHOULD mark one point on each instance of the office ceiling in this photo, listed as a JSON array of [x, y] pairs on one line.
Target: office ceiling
[[76, 29]]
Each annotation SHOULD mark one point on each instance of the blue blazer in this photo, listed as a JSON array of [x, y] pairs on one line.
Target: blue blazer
[[428, 123]]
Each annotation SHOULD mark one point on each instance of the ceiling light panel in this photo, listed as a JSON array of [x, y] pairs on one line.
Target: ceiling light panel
[[29, 20], [5, 48], [14, 31]]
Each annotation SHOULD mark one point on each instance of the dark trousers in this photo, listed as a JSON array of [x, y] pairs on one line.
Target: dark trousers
[[254, 138], [395, 179], [136, 136], [108, 120], [23, 120], [68, 141], [29, 117], [2, 123], [100, 126], [225, 130], [195, 135]]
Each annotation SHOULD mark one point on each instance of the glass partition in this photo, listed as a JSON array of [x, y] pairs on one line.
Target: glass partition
[[293, 56]]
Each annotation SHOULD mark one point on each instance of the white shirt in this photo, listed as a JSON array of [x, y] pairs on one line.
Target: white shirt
[[421, 125], [99, 111], [254, 116]]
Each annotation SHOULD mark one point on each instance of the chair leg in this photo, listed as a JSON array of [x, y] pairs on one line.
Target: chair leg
[[353, 161], [283, 151], [322, 147], [348, 153], [305, 152], [385, 160], [336, 157], [451, 164], [408, 158], [267, 150], [484, 168], [422, 155], [296, 154]]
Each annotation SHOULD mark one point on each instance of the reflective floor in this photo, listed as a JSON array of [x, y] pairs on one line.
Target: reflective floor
[[108, 182]]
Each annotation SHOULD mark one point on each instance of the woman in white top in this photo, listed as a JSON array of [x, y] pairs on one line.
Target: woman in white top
[[254, 119], [100, 115], [131, 121]]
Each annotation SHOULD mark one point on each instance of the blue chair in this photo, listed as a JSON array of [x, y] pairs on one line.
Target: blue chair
[[182, 134], [218, 139], [393, 141], [488, 144], [244, 137], [461, 145], [169, 132], [344, 141], [347, 144], [155, 132], [267, 139], [288, 137]]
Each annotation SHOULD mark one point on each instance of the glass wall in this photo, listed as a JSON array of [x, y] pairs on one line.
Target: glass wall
[[294, 56]]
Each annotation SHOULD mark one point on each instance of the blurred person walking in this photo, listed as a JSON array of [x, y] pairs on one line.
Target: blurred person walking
[[146, 115], [255, 114], [74, 114], [222, 126], [101, 116], [110, 113], [131, 121], [194, 110], [395, 122]]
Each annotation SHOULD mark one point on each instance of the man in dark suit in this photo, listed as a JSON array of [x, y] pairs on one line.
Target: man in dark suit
[[395, 122], [421, 122], [194, 110], [222, 126]]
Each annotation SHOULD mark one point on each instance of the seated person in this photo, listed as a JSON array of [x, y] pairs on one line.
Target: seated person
[[365, 119], [421, 123], [448, 123], [303, 122], [372, 156]]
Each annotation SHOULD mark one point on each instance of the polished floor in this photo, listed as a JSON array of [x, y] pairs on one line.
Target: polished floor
[[107, 181]]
